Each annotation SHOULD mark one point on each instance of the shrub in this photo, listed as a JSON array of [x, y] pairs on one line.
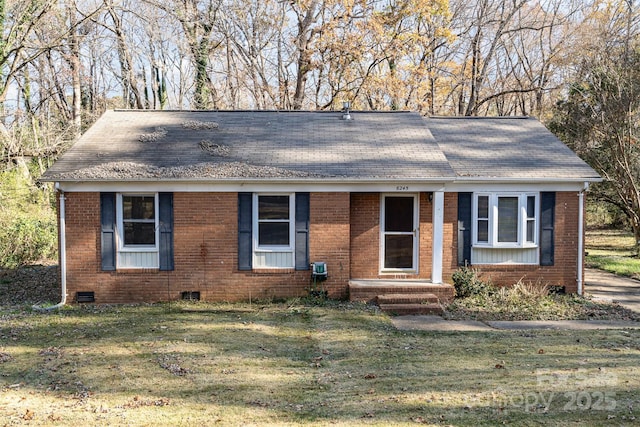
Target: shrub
[[27, 239], [467, 283]]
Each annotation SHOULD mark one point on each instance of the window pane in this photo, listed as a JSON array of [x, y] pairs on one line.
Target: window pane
[[138, 207], [398, 214], [398, 252], [273, 207], [507, 219], [139, 233], [483, 230], [273, 234], [531, 207], [531, 228], [483, 206]]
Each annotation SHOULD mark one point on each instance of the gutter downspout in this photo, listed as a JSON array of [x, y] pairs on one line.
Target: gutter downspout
[[63, 255], [580, 266]]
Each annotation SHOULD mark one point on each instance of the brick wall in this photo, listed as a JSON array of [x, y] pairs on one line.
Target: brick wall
[[205, 253], [563, 272], [344, 233]]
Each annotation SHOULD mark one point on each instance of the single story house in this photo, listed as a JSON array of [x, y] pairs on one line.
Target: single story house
[[236, 205]]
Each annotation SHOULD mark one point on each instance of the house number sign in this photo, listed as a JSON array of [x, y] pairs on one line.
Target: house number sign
[[402, 188]]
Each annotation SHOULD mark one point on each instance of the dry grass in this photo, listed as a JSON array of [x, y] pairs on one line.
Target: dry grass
[[292, 364]]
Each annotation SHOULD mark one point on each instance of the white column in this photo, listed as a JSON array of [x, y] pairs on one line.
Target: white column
[[438, 236]]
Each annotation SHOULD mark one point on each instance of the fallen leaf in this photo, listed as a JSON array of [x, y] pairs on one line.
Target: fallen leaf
[[28, 415]]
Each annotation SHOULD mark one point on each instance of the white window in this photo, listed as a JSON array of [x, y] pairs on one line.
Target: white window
[[506, 220], [273, 230], [137, 222]]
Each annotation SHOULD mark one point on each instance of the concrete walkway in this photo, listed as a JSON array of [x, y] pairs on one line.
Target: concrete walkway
[[598, 284], [604, 286]]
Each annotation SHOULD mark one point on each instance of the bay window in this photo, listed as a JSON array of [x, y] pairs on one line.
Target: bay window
[[505, 220]]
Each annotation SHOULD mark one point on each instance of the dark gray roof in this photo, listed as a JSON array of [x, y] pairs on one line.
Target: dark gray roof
[[138, 145], [506, 147], [315, 146]]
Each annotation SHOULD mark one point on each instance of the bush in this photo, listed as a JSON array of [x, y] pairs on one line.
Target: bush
[[467, 283], [27, 239]]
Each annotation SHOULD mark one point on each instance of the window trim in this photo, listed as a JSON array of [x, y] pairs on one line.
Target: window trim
[[290, 248], [120, 225], [522, 220]]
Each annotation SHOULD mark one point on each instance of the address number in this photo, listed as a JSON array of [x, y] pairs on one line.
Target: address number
[[402, 188]]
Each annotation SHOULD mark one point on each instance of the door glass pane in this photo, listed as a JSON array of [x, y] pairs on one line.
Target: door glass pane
[[273, 233], [398, 252], [273, 207], [398, 214], [507, 219]]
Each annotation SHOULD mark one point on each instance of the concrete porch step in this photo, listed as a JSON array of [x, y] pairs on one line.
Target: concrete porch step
[[369, 290], [417, 298], [407, 309]]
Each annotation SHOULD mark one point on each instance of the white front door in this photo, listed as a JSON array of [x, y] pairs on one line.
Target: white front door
[[399, 233]]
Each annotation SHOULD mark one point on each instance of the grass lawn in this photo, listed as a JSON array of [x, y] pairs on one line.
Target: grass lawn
[[612, 250], [291, 364]]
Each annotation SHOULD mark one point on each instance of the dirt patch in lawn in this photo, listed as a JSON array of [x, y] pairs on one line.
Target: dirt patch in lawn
[[37, 284]]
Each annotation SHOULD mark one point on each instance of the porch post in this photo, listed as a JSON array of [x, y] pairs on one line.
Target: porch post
[[438, 233]]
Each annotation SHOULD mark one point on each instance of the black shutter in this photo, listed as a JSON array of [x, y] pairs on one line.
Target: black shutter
[[464, 228], [165, 202], [547, 221], [245, 225], [302, 231], [108, 231]]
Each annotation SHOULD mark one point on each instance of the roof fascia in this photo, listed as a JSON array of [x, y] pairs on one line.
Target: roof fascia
[[254, 186]]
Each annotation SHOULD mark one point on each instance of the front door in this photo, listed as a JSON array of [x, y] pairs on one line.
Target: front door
[[399, 233]]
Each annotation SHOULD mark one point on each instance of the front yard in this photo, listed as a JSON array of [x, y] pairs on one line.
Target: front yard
[[289, 364]]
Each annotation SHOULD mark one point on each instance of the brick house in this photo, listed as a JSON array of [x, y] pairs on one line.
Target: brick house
[[159, 205]]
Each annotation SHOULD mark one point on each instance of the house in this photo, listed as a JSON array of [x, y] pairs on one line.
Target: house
[[236, 205]]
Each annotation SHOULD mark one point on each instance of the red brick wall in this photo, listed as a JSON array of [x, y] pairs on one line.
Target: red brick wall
[[564, 270], [205, 251], [365, 237], [344, 232]]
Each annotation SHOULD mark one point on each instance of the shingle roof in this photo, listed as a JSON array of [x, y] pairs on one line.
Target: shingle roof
[[137, 145], [506, 147], [314, 146]]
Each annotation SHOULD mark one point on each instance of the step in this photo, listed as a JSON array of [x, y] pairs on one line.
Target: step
[[407, 309], [418, 298], [368, 290]]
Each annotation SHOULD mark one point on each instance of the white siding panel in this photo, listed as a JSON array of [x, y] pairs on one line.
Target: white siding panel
[[273, 260], [138, 260], [504, 256]]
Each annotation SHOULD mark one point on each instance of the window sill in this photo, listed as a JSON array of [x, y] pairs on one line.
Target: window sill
[[504, 247], [274, 270], [136, 270]]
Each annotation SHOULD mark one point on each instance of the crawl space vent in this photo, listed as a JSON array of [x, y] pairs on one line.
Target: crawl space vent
[[191, 295], [85, 296]]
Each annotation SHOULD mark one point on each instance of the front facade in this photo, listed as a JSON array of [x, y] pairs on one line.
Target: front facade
[[231, 206]]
